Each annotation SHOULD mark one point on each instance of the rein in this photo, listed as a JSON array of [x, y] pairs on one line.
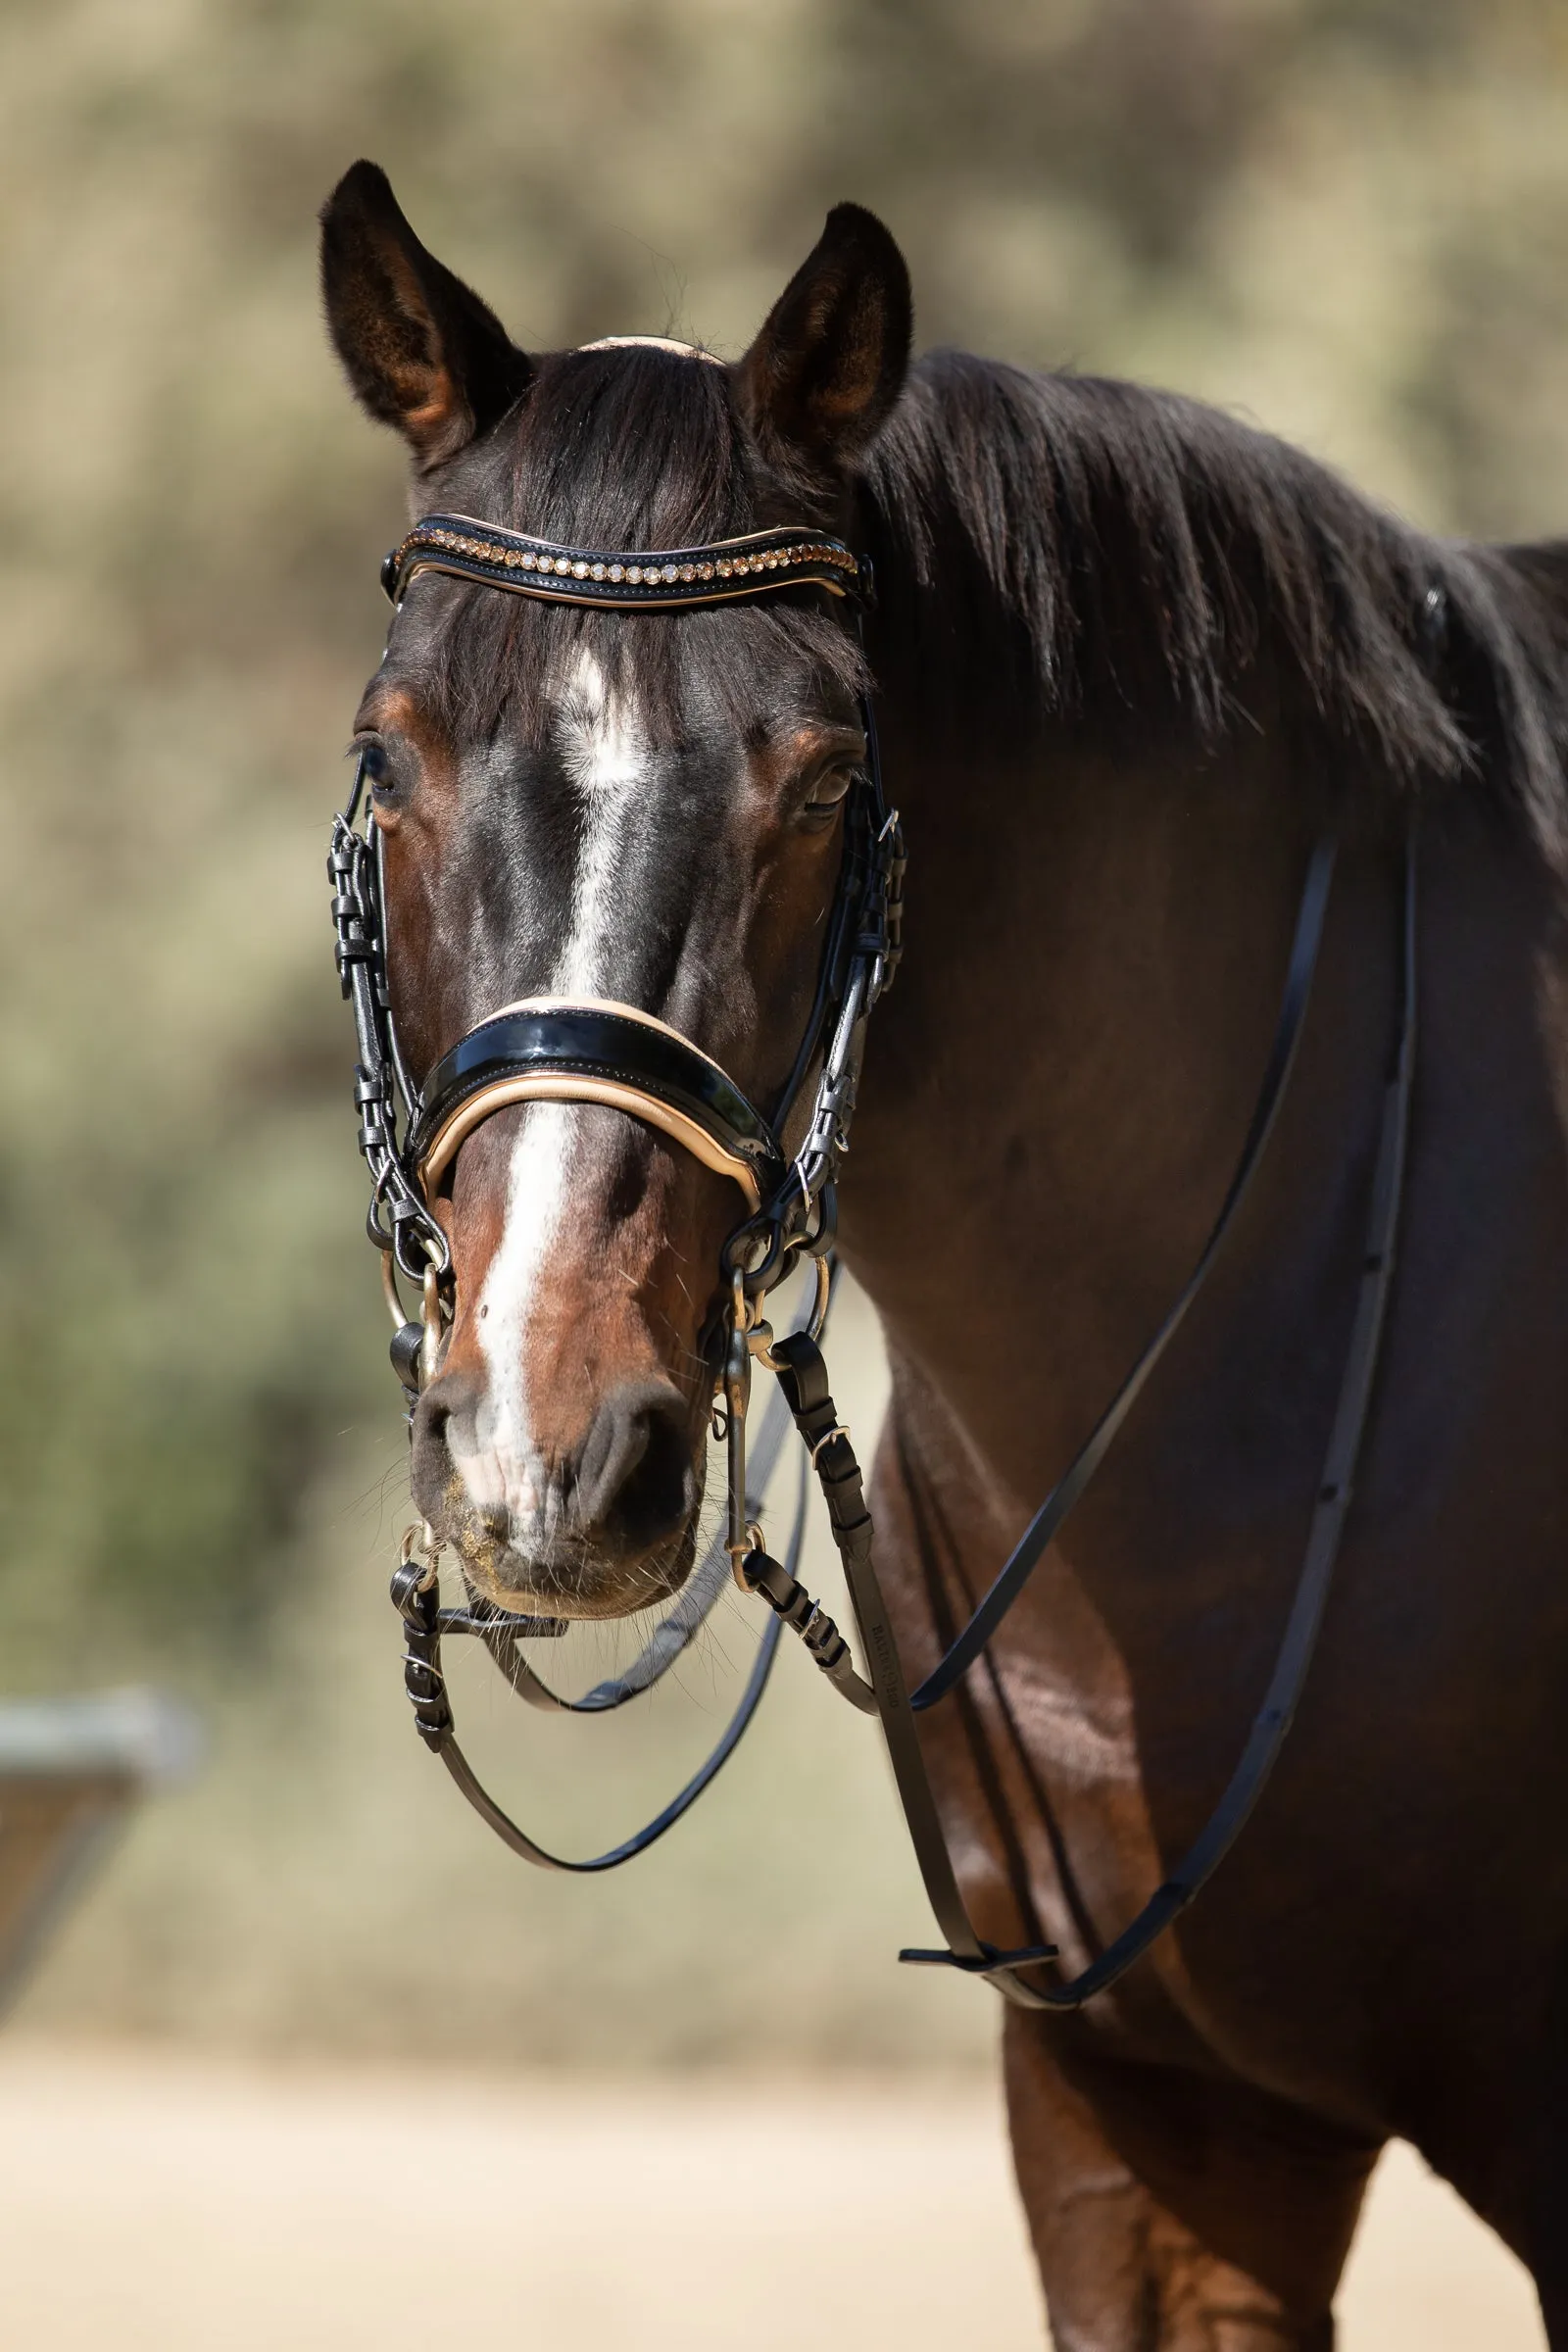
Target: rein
[[560, 1049]]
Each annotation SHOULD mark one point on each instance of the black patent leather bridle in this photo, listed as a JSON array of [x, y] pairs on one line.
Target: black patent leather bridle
[[567, 1050]]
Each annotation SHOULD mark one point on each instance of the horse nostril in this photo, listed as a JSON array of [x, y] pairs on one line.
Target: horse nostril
[[451, 1399], [636, 1483]]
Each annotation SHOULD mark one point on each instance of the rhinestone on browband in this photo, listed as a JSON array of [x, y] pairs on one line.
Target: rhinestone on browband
[[712, 574]]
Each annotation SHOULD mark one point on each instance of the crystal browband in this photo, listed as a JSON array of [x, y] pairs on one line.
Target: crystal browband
[[715, 575]]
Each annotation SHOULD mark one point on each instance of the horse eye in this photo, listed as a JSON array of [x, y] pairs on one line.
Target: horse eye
[[829, 789], [375, 764]]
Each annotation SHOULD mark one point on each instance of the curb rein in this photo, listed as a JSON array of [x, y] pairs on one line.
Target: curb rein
[[551, 1049]]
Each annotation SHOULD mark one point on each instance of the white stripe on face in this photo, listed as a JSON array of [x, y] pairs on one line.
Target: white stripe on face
[[606, 754]]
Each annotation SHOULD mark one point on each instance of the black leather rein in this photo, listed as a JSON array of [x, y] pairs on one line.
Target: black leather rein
[[616, 1055]]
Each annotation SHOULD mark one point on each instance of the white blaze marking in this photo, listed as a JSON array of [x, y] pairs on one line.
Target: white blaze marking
[[606, 754]]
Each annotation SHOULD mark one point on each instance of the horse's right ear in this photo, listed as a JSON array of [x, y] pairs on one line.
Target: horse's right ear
[[820, 379], [422, 351]]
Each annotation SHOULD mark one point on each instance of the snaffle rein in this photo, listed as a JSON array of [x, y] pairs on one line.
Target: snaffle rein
[[553, 1048]]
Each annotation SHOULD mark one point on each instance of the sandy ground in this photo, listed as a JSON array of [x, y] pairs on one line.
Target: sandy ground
[[189, 2206]]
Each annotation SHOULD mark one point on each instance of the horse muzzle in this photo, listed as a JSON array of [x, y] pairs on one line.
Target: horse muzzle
[[605, 1526]]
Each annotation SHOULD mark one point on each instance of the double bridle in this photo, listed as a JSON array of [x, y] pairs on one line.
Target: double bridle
[[569, 1050]]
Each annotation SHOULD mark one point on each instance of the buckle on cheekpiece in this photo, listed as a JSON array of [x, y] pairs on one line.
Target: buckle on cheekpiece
[[985, 1962]]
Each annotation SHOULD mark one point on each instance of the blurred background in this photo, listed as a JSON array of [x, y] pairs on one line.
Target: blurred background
[[1345, 218]]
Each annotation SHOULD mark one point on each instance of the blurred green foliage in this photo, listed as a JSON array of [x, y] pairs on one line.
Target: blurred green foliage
[[1349, 217]]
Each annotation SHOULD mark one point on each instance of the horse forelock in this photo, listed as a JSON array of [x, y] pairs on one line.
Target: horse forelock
[[625, 445]]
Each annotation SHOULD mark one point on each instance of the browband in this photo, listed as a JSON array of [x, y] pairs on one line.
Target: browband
[[721, 573], [560, 1049]]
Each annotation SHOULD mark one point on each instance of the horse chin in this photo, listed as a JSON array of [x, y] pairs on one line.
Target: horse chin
[[573, 1579]]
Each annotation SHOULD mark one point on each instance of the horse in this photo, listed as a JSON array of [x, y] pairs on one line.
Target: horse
[[1132, 661]]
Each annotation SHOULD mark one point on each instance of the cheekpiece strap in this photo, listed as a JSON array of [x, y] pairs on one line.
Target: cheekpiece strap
[[717, 574]]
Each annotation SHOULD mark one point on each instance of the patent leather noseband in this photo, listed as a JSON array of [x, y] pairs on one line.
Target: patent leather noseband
[[564, 1050]]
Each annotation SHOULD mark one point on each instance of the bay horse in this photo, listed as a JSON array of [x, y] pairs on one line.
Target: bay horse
[[1132, 660]]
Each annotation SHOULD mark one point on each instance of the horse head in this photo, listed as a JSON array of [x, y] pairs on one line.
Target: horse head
[[642, 809]]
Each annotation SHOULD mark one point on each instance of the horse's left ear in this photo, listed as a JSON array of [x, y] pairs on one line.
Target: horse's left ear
[[821, 377]]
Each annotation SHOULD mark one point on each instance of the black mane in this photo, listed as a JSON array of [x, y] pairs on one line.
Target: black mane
[[1087, 545], [1045, 545], [623, 449]]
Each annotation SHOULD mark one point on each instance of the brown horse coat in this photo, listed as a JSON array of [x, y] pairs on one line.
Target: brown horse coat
[[1132, 660]]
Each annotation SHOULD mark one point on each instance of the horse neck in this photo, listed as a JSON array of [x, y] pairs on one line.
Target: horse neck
[[1056, 1092]]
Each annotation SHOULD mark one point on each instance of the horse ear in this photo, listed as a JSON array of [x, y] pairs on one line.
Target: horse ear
[[422, 351], [830, 362]]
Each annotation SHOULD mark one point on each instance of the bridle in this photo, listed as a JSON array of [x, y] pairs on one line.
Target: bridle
[[564, 1050]]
